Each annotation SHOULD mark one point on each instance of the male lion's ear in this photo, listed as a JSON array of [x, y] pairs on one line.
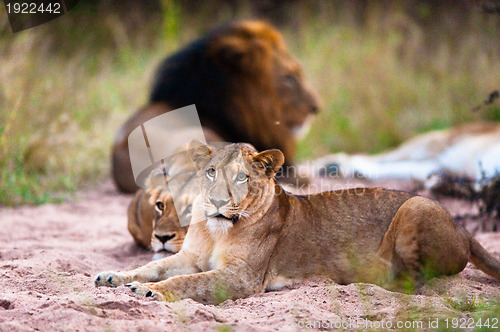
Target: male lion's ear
[[200, 154], [241, 54], [270, 160]]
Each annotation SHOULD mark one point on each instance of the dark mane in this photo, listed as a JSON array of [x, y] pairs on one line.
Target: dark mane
[[191, 77]]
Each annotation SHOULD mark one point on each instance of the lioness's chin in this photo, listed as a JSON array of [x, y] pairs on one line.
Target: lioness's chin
[[162, 254], [219, 226]]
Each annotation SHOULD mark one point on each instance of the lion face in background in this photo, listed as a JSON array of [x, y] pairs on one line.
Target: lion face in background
[[298, 100], [158, 217], [267, 85], [235, 180], [168, 234], [172, 205]]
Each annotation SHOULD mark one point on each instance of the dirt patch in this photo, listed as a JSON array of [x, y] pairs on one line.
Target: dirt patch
[[49, 255]]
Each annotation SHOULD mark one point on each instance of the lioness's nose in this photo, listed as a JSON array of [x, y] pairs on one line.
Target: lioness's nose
[[218, 204], [165, 238]]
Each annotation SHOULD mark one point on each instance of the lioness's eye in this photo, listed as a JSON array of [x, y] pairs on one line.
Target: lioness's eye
[[160, 206], [211, 172], [241, 177]]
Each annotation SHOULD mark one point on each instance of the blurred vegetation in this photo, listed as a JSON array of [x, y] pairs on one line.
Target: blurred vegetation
[[398, 72], [385, 70]]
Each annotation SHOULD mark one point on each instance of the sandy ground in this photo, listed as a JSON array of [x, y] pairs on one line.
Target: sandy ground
[[49, 255]]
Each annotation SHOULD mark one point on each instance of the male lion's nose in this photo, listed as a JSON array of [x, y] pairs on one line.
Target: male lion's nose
[[314, 108], [218, 204], [165, 238]]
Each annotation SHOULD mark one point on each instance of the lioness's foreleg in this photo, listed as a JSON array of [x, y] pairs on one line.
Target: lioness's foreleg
[[178, 264], [213, 286], [423, 241]]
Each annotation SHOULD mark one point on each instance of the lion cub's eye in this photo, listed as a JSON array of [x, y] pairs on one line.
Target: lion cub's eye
[[211, 173], [241, 177], [160, 206]]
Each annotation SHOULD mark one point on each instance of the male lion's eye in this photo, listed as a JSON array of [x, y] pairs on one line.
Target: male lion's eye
[[160, 206], [241, 177], [211, 172], [290, 80]]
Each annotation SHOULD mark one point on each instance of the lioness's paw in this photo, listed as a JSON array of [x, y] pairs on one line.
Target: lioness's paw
[[110, 279], [145, 290]]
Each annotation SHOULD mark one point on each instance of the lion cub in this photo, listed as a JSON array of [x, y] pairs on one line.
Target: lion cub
[[255, 236]]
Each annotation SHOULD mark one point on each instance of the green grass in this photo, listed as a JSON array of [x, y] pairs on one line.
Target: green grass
[[224, 328], [481, 315], [491, 313], [59, 114], [382, 83], [59, 125], [469, 311], [64, 95], [467, 304]]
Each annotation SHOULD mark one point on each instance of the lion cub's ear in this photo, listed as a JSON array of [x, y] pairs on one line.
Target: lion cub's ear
[[270, 160], [200, 154]]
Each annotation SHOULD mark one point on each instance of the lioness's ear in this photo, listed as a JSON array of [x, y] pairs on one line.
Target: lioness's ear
[[200, 154], [270, 160], [157, 178]]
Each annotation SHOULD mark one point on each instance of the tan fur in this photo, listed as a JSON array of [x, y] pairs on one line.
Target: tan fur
[[168, 234], [140, 218], [266, 101], [271, 236], [148, 225], [470, 149]]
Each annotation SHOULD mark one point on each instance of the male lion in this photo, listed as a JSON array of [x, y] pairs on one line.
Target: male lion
[[246, 87], [268, 237]]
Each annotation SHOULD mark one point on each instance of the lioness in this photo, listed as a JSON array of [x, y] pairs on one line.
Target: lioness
[[153, 221], [471, 150], [159, 216], [256, 236], [168, 234]]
